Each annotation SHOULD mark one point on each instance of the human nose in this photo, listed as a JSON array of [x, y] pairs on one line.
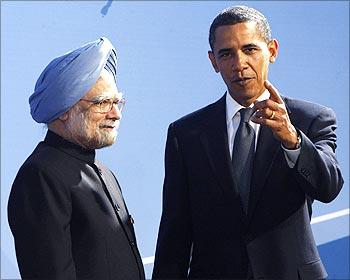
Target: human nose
[[114, 113], [239, 62]]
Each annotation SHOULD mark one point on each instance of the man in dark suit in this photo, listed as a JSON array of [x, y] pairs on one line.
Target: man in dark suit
[[66, 209], [241, 174]]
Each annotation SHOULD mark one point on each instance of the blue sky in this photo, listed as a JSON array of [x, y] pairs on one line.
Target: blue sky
[[164, 73]]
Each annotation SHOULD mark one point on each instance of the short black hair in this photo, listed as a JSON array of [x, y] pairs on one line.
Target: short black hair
[[237, 14]]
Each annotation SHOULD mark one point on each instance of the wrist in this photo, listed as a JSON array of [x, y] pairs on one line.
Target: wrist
[[295, 144]]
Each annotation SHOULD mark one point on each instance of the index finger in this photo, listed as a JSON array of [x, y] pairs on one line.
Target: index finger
[[274, 95]]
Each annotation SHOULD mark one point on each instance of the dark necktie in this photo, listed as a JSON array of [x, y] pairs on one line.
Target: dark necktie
[[243, 156]]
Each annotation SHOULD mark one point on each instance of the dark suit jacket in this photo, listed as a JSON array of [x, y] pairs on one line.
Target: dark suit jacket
[[69, 219], [204, 232]]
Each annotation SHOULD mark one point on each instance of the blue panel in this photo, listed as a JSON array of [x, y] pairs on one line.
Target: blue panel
[[335, 256]]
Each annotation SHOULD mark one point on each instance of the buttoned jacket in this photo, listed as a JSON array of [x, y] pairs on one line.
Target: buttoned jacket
[[204, 231], [68, 217]]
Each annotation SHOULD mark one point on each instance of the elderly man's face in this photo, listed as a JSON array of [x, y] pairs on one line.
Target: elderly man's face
[[242, 58], [87, 126]]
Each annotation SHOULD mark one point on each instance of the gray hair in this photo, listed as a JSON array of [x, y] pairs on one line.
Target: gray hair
[[237, 14]]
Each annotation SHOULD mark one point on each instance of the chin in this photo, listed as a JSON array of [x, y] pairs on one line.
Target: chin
[[102, 140], [108, 140], [243, 96]]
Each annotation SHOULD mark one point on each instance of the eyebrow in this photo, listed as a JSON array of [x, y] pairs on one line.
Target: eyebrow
[[224, 50], [250, 45], [103, 97]]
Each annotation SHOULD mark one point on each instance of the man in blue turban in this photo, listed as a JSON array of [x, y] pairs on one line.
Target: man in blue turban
[[66, 211]]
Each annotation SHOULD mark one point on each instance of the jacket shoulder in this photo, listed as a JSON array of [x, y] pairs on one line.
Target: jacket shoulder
[[306, 108], [201, 115], [42, 156], [44, 160]]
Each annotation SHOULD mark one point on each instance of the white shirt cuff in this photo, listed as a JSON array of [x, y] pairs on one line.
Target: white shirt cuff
[[291, 156]]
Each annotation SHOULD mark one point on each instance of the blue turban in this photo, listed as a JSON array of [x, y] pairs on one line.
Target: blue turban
[[69, 77]]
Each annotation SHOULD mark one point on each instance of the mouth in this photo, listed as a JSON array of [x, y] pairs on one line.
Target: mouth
[[242, 80], [109, 127]]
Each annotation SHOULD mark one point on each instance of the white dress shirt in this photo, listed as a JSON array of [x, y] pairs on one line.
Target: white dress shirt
[[233, 119]]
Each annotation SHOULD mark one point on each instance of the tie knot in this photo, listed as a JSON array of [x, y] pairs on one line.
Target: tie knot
[[246, 113]]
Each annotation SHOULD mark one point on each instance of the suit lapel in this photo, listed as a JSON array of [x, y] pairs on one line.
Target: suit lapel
[[215, 143], [266, 152]]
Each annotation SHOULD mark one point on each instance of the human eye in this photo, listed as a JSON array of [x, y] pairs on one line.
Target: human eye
[[251, 49], [103, 104], [225, 54]]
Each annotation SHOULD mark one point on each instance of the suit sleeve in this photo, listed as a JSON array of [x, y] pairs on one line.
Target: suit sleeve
[[39, 212], [318, 171], [174, 237]]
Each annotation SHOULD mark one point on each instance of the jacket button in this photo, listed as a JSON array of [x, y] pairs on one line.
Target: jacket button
[[116, 207], [132, 244], [100, 171]]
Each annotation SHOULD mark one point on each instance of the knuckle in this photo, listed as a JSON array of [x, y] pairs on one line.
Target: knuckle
[[281, 106], [260, 104], [269, 102]]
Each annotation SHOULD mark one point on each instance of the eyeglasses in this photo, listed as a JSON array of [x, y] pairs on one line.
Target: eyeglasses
[[106, 105]]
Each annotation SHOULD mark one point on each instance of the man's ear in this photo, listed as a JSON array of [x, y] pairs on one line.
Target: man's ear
[[213, 61], [273, 49]]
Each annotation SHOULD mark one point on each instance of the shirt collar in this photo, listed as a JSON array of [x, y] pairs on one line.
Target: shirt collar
[[232, 106], [58, 142]]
